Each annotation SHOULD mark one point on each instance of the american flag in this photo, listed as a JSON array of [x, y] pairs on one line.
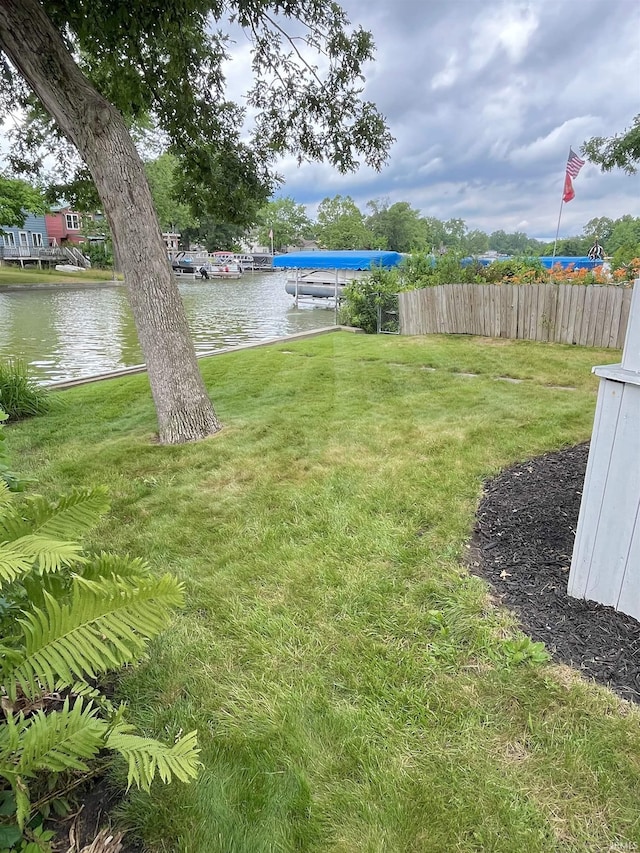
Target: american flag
[[574, 164]]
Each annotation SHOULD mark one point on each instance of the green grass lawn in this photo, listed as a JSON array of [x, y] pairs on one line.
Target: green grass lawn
[[353, 687], [12, 275]]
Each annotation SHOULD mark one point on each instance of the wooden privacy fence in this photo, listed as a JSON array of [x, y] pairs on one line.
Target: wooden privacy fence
[[591, 315]]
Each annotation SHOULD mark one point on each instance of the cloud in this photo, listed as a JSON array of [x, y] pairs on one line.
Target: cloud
[[484, 100]]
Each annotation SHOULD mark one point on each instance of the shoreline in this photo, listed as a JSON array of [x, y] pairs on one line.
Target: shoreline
[[50, 285]]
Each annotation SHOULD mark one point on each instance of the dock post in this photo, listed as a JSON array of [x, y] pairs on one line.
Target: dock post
[[336, 297], [296, 299]]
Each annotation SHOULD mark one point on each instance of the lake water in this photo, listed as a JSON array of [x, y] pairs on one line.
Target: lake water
[[66, 333]]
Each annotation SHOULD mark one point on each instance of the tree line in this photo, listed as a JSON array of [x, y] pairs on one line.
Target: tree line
[[398, 227]]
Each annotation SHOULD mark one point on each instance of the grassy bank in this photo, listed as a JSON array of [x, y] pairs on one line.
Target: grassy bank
[[12, 275], [353, 687]]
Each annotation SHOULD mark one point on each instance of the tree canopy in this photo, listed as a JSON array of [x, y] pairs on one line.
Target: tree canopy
[[621, 151], [17, 199], [286, 220], [161, 65]]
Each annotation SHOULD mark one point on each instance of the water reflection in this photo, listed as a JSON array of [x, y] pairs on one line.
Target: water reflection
[[69, 333]]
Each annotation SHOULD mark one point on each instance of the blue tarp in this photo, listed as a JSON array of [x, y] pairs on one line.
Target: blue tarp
[[343, 260], [579, 263]]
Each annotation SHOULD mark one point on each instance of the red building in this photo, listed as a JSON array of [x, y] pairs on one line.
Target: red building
[[63, 226]]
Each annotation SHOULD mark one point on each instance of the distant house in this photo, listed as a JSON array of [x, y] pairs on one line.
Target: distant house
[[32, 235], [25, 244], [33, 245], [66, 226]]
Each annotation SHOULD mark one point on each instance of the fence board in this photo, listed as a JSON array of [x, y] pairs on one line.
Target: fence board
[[596, 320], [589, 306], [564, 299], [614, 297], [451, 307], [624, 317], [496, 312], [575, 297], [603, 325]]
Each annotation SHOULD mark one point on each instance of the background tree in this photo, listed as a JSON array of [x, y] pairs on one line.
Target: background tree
[[213, 235], [455, 231], [621, 151], [598, 228], [17, 198], [89, 62], [570, 247], [173, 215], [287, 220], [476, 242], [397, 227], [433, 234], [341, 225]]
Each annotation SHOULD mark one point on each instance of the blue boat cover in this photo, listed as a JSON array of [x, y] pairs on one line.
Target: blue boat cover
[[337, 260], [579, 263], [564, 261]]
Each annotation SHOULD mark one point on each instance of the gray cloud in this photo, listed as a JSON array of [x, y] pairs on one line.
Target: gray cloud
[[484, 99]]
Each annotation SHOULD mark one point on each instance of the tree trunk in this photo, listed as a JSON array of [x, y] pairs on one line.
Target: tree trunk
[[96, 128]]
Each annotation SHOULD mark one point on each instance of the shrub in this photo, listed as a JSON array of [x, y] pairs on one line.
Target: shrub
[[20, 395], [67, 618], [99, 254], [365, 297]]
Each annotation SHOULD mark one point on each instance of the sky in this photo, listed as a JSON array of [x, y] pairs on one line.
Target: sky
[[484, 98]]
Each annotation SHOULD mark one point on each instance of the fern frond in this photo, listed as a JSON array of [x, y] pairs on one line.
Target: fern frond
[[147, 757], [81, 688], [12, 524], [106, 625], [107, 565], [6, 495], [70, 516], [18, 558], [60, 740]]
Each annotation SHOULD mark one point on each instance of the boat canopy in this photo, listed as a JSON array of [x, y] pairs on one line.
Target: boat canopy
[[581, 262], [338, 260], [564, 261]]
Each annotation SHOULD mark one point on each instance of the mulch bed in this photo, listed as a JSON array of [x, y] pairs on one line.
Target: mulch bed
[[522, 545]]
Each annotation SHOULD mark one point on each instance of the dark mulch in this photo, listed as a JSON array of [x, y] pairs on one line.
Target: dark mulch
[[94, 806], [522, 545]]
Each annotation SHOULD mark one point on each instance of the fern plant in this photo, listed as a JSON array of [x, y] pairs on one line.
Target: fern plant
[[67, 618]]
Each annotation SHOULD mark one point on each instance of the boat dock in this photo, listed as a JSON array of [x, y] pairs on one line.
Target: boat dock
[[325, 274]]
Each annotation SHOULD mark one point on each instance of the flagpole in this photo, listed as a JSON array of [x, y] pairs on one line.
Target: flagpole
[[555, 242]]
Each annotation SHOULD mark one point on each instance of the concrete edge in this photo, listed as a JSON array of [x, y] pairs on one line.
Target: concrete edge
[[142, 368]]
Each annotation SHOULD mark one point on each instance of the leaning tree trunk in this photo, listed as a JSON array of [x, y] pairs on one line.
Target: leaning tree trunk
[[96, 128]]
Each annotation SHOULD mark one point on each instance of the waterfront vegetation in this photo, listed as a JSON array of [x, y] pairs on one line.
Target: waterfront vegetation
[[353, 687]]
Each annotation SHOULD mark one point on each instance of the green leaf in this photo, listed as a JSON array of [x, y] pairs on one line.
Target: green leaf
[[7, 803], [147, 757], [60, 740], [106, 625], [10, 835]]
